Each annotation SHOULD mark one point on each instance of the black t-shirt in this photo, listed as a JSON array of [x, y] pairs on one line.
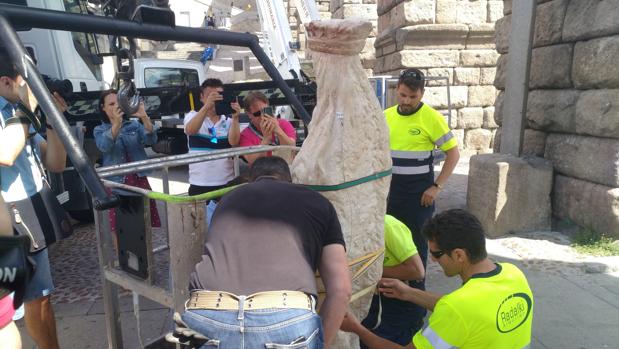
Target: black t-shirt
[[266, 236]]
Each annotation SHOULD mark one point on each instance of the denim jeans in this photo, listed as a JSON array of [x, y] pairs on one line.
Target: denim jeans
[[259, 329]]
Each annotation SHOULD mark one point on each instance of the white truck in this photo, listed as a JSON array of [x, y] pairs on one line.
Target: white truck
[[74, 56]]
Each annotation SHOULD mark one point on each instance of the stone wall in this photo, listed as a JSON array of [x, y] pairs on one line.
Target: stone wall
[[573, 105], [449, 38]]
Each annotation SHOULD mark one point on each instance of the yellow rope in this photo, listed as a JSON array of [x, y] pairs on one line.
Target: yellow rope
[[366, 262]]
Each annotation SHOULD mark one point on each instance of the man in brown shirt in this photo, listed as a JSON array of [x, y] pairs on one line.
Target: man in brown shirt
[[255, 286]]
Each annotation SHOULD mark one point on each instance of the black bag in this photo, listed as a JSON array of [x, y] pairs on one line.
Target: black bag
[[16, 267], [42, 218]]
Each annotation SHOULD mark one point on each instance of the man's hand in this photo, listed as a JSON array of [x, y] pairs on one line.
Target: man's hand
[[268, 127], [350, 323], [211, 99], [276, 128], [25, 95], [61, 104], [184, 335], [393, 288], [236, 107], [429, 196]]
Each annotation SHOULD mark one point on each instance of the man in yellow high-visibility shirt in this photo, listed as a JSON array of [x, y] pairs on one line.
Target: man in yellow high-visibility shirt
[[415, 130], [492, 309], [401, 262]]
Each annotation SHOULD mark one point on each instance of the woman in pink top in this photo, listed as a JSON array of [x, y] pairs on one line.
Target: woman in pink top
[[264, 129]]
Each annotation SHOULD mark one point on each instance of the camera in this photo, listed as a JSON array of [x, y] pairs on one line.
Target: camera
[[63, 87]]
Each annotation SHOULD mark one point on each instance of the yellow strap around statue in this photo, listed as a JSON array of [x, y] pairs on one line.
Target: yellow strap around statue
[[366, 261]]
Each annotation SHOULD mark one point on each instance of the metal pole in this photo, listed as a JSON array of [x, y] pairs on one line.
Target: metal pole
[[179, 160], [165, 176], [448, 102], [517, 84], [48, 19], [237, 169], [28, 71], [110, 290], [274, 74]]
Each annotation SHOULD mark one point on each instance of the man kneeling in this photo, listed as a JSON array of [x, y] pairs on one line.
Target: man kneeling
[[255, 286], [492, 309]]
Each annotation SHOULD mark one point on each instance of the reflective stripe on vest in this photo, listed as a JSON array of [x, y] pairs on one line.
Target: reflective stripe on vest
[[436, 341], [446, 137], [411, 162]]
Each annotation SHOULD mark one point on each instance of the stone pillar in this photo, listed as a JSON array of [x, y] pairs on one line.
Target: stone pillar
[[449, 38], [572, 114], [510, 194]]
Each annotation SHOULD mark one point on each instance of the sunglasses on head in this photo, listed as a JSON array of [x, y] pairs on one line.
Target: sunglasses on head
[[411, 73], [437, 254]]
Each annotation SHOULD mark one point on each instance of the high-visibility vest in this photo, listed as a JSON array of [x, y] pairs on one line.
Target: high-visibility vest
[[413, 137], [491, 310]]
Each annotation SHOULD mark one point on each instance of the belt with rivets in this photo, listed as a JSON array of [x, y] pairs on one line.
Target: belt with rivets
[[220, 300]]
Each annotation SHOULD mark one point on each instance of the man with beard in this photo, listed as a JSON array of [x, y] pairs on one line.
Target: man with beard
[[415, 130]]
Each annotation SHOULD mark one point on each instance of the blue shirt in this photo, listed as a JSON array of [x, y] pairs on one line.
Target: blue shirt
[[23, 179], [127, 147]]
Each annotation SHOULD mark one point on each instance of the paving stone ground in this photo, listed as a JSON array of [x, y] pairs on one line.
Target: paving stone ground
[[577, 296]]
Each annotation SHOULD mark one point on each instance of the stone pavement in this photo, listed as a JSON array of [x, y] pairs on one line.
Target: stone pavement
[[577, 297]]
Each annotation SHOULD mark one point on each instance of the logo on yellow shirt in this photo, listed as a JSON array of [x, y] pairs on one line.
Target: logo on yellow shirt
[[414, 131], [513, 312]]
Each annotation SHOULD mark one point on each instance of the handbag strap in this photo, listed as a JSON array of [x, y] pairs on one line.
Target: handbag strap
[[37, 160]]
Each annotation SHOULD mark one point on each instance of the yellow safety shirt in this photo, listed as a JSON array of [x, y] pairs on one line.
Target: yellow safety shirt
[[491, 310], [399, 245], [413, 137]]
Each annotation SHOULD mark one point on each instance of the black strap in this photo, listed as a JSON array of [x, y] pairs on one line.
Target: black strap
[[30, 116]]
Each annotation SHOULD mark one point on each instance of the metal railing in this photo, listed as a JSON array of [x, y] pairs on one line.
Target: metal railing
[[184, 238]]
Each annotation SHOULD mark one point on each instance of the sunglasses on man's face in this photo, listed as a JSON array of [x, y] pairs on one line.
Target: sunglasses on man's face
[[257, 113], [437, 254]]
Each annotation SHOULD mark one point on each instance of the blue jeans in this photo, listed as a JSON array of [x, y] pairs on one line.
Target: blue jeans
[[259, 329]]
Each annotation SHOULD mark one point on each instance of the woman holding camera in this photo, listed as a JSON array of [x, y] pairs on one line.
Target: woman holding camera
[[264, 129], [122, 140]]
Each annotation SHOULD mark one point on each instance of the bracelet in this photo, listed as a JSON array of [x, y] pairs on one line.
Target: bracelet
[[437, 185]]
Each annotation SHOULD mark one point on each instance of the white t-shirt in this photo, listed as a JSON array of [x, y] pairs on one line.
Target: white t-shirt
[[210, 137]]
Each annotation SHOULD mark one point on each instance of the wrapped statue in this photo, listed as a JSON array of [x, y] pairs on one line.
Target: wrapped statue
[[347, 151]]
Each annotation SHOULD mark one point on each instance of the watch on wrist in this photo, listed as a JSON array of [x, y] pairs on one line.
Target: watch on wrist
[[437, 185]]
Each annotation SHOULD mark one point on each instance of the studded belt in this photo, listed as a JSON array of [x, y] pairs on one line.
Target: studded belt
[[219, 300]]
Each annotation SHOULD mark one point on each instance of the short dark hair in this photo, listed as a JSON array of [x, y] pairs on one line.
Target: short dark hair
[[252, 97], [272, 166], [412, 78], [102, 97], [7, 68], [211, 83], [457, 228]]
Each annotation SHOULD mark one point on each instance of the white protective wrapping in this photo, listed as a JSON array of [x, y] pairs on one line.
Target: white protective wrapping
[[348, 139]]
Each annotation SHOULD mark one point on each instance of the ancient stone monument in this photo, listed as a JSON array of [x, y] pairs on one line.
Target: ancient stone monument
[[572, 116], [348, 140]]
